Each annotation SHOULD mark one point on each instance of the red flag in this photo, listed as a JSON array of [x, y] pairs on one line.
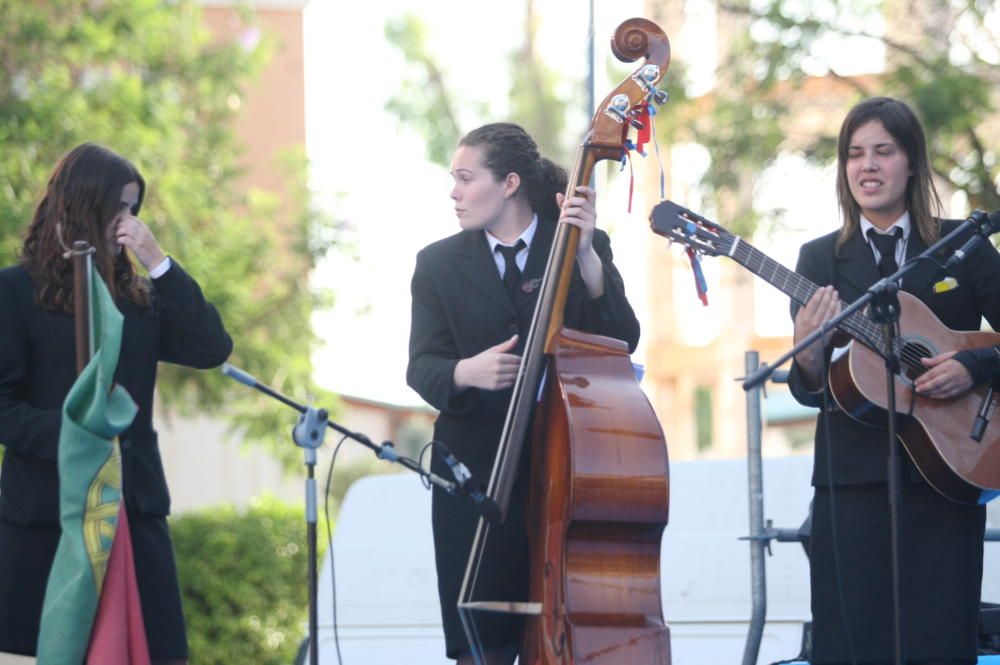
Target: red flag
[[119, 637]]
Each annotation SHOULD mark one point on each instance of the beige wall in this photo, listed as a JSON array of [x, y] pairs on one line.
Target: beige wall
[[206, 465], [272, 112]]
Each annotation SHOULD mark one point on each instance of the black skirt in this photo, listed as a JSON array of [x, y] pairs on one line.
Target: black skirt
[[26, 554], [941, 562], [502, 574]]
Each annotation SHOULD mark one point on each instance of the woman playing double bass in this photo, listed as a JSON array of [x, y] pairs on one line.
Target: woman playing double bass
[[473, 298]]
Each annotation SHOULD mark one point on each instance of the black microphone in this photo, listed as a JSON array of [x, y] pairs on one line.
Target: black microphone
[[982, 418], [987, 225], [465, 485]]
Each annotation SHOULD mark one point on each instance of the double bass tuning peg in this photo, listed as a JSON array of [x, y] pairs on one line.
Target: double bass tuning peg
[[618, 108]]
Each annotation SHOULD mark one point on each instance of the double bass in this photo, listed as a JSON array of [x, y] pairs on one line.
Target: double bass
[[599, 489]]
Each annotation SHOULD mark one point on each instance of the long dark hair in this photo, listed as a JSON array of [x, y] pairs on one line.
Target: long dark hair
[[507, 148], [901, 122], [83, 197]]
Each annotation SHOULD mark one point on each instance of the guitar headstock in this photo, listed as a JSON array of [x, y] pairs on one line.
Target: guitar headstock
[[690, 229]]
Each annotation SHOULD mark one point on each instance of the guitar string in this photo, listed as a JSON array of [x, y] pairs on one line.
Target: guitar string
[[868, 332]]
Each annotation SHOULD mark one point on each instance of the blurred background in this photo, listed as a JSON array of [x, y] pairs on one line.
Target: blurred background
[[296, 154]]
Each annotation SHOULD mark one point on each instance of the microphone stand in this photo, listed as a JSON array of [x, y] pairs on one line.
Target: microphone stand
[[885, 309], [308, 434]]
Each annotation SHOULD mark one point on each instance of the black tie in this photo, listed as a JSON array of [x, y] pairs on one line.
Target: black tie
[[886, 246], [511, 273]]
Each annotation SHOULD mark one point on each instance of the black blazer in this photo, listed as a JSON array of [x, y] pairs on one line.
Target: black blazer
[[859, 452], [460, 308], [38, 367]]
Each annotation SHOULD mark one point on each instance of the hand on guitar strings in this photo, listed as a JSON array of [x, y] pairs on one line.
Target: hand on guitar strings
[[946, 377], [821, 307]]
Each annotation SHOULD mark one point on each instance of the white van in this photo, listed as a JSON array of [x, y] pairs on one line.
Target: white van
[[387, 605]]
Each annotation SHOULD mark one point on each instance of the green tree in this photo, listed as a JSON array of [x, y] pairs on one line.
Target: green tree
[[423, 101], [946, 67], [145, 78], [535, 102], [427, 103]]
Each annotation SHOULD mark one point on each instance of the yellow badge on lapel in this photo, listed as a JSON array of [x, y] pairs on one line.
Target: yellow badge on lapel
[[945, 285]]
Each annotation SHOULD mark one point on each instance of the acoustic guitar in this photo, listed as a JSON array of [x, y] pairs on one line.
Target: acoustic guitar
[[936, 433]]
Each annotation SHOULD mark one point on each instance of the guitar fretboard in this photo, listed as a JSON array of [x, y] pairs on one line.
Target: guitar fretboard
[[800, 289]]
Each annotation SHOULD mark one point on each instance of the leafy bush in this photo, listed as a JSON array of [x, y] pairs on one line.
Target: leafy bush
[[244, 579]]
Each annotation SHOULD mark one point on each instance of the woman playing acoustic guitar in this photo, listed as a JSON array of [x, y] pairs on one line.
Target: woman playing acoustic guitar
[[887, 200]]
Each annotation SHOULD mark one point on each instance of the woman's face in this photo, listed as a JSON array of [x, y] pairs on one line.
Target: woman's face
[[479, 198], [878, 171], [129, 202]]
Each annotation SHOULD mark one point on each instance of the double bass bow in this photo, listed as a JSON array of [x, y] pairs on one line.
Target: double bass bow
[[598, 497]]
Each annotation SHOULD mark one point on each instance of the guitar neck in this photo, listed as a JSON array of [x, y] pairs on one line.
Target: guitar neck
[[799, 289]]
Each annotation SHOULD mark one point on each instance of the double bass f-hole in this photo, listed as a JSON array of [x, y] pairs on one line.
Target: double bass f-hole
[[556, 613], [559, 642]]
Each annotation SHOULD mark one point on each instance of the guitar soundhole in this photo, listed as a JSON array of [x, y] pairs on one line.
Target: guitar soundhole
[[910, 355]]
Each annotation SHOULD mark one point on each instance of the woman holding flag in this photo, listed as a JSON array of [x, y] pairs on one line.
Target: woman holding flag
[[94, 195]]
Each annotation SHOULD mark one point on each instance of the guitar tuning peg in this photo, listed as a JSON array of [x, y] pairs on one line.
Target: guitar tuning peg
[[661, 97], [635, 123]]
